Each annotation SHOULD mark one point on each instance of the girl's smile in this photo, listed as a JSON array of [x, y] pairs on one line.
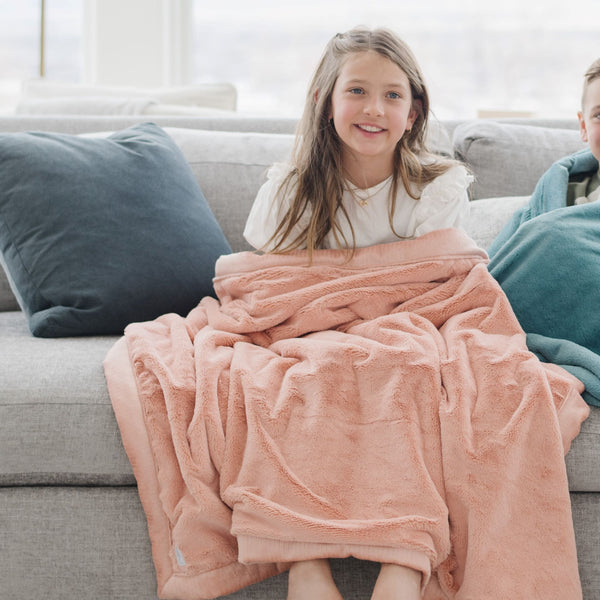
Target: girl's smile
[[371, 108], [370, 128]]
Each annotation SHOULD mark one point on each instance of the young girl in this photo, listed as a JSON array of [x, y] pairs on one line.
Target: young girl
[[360, 175]]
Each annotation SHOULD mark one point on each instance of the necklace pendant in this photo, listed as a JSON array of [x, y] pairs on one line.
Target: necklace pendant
[[363, 202]]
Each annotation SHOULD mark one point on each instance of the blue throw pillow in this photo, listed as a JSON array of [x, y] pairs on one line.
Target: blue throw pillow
[[96, 233]]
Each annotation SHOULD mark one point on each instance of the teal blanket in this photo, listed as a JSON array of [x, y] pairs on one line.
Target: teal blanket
[[547, 260]]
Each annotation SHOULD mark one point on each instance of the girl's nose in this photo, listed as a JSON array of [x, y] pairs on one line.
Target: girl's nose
[[373, 106]]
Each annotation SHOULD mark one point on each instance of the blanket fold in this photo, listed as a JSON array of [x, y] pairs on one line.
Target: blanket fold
[[547, 261], [383, 406]]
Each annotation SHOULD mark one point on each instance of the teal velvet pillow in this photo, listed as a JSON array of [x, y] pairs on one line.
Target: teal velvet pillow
[[98, 232]]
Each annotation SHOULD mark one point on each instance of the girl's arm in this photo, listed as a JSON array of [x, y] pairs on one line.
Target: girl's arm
[[262, 220], [268, 210], [444, 202]]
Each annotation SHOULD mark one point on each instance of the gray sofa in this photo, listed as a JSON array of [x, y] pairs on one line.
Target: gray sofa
[[71, 524]]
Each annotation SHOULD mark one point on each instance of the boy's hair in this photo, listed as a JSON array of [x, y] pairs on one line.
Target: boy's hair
[[591, 74], [316, 181]]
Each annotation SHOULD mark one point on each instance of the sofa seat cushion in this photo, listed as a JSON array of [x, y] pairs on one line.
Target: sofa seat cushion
[[57, 426], [583, 466]]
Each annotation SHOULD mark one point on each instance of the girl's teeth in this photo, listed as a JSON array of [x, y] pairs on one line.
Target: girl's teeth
[[370, 129]]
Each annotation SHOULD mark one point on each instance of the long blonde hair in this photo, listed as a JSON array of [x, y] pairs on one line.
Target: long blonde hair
[[316, 182]]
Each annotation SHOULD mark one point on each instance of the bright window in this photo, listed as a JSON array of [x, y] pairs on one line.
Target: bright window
[[521, 56], [524, 57], [20, 55]]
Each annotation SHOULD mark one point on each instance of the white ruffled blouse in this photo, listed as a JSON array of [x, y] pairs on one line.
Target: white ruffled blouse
[[443, 203]]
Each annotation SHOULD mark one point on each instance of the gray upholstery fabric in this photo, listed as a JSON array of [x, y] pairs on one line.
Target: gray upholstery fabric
[[586, 519], [93, 543], [86, 124], [583, 466], [81, 542], [62, 542], [509, 159], [56, 421], [230, 167], [489, 215]]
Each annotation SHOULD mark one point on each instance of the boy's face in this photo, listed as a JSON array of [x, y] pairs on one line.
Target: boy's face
[[589, 117]]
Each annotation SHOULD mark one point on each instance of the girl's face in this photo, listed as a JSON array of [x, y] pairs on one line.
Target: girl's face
[[372, 108]]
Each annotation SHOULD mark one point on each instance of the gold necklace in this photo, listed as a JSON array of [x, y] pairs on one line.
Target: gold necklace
[[362, 200], [367, 197]]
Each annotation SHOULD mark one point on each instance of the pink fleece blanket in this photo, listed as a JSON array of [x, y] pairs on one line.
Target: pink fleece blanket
[[384, 407]]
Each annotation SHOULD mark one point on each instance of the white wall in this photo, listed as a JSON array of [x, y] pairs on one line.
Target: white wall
[[145, 43]]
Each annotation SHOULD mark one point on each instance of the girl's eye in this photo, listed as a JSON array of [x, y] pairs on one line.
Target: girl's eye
[[355, 90], [394, 95]]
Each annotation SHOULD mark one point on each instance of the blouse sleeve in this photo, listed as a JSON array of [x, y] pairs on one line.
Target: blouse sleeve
[[268, 209], [444, 202]]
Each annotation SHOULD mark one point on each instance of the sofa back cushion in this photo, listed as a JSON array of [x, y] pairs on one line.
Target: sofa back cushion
[[508, 159], [230, 168]]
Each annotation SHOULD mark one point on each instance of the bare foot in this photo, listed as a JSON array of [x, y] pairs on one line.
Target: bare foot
[[397, 583], [311, 579]]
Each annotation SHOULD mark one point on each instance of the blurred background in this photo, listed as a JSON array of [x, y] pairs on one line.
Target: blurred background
[[515, 57]]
